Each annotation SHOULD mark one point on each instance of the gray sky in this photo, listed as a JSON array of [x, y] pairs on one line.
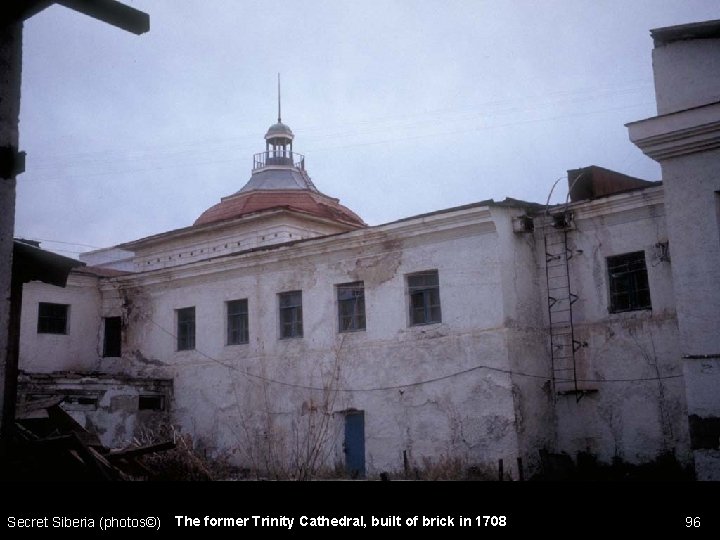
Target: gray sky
[[400, 107]]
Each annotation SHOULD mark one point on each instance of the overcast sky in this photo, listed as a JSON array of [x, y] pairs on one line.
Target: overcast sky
[[400, 107]]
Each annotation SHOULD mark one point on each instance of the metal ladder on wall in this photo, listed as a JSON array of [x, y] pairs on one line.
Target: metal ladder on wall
[[563, 344]]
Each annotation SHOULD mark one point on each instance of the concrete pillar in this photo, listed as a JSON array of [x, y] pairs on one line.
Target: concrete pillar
[[10, 76]]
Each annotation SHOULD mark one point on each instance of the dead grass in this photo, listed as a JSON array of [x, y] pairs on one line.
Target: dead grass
[[183, 462], [446, 468]]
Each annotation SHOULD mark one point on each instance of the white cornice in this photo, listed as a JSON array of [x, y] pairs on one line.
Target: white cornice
[[476, 220], [678, 134], [226, 225]]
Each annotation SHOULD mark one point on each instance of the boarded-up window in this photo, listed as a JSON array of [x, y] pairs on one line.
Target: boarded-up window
[[351, 306], [186, 329], [291, 325], [424, 292], [237, 322], [112, 336], [52, 318], [629, 288]]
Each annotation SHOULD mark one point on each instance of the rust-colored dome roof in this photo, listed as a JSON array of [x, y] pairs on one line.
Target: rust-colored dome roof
[[279, 180], [310, 202]]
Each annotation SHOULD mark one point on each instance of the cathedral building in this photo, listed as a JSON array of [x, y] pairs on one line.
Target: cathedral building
[[282, 331]]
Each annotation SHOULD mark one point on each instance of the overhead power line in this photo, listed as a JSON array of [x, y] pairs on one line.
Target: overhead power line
[[482, 110], [238, 159], [65, 243], [409, 384]]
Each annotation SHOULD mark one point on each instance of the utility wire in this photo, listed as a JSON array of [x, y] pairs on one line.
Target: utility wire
[[308, 153], [484, 109], [406, 385], [66, 243]]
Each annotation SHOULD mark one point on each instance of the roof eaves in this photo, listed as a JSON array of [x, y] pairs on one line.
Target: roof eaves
[[698, 30]]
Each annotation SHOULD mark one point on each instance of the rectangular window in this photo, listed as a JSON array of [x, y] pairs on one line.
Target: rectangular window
[[151, 403], [351, 306], [112, 336], [186, 329], [237, 322], [629, 289], [52, 318], [291, 325], [424, 291], [80, 402]]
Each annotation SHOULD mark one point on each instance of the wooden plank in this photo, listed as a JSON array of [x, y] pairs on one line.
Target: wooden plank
[[103, 466], [136, 452], [16, 11], [67, 424], [111, 12], [29, 409]]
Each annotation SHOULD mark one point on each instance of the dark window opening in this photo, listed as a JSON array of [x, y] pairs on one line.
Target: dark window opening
[[151, 403], [52, 318], [291, 325], [562, 221], [629, 288], [424, 291], [112, 337], [237, 322], [186, 329], [351, 306], [81, 400]]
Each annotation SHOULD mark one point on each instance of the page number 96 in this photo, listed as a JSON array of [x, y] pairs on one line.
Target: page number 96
[[692, 521]]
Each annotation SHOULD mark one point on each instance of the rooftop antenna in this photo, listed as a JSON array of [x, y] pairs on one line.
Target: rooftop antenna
[[279, 120]]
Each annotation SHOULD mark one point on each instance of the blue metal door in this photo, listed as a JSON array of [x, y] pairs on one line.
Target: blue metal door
[[354, 446]]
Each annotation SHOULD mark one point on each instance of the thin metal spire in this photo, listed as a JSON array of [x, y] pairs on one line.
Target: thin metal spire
[[279, 120]]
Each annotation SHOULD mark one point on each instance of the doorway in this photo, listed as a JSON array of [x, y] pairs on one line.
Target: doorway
[[354, 445]]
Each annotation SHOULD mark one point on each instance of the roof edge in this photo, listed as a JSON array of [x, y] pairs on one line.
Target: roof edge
[[683, 32]]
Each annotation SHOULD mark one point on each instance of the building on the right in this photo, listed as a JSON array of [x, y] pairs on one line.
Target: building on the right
[[684, 138]]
